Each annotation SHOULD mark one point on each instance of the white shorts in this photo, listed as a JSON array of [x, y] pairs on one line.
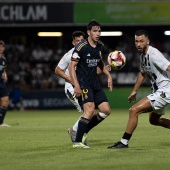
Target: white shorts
[[160, 101], [69, 91]]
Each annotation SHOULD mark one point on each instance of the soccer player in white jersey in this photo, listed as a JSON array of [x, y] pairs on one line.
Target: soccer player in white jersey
[[154, 65], [62, 71]]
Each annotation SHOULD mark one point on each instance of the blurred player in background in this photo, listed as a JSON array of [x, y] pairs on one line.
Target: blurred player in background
[[154, 65], [4, 94], [87, 56]]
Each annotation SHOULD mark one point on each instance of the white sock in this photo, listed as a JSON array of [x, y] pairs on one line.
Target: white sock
[[75, 127], [124, 141], [103, 115]]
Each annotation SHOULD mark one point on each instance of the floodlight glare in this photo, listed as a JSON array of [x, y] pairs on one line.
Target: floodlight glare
[[167, 32], [50, 34], [111, 33]]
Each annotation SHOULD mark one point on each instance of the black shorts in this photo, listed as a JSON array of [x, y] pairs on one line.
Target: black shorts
[[3, 92], [97, 96]]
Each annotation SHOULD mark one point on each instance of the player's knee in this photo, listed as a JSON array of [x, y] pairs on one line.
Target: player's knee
[[132, 110]]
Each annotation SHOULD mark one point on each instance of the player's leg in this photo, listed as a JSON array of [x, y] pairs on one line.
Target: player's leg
[[83, 124], [160, 105], [69, 91], [104, 109], [155, 119], [142, 106], [3, 109]]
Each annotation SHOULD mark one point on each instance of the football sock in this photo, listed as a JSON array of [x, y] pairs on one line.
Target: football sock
[[82, 128], [2, 114], [95, 120], [75, 126], [126, 137]]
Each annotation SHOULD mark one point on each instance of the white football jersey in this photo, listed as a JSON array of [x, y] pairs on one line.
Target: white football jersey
[[65, 60], [155, 65], [69, 90]]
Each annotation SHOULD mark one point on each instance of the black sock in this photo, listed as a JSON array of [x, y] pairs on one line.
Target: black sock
[[2, 114], [95, 120], [127, 136], [82, 128]]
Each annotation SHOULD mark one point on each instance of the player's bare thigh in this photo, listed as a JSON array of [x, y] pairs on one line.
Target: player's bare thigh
[[142, 106], [104, 108], [89, 109]]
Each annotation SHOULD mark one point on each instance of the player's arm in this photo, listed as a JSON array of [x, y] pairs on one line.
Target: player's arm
[[99, 71], [62, 74], [103, 67], [4, 76], [72, 71], [140, 78]]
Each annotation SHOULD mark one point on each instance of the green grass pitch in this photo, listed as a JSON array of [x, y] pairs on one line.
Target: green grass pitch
[[38, 140]]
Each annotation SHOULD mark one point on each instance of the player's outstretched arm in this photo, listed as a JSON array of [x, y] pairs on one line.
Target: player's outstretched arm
[[140, 78]]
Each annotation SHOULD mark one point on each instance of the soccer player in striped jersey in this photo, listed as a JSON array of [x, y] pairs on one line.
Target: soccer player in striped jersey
[[154, 65], [87, 56], [4, 94]]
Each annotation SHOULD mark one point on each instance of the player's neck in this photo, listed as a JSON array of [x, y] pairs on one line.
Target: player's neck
[[91, 42], [146, 50]]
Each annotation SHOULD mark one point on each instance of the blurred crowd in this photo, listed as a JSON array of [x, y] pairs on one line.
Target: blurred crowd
[[32, 67]]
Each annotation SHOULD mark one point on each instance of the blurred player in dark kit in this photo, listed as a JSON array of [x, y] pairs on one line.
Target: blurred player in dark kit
[[4, 94]]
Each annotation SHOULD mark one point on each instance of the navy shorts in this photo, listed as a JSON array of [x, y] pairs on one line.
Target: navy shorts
[[97, 96], [3, 92]]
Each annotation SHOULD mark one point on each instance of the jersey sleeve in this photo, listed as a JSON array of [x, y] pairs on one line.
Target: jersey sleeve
[[65, 60], [75, 55], [160, 60]]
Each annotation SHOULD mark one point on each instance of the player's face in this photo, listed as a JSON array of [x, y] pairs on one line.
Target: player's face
[[2, 48], [77, 40], [94, 33], [141, 43]]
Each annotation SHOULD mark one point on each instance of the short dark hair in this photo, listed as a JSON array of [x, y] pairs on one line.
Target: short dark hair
[[92, 23], [77, 34], [2, 42], [141, 32]]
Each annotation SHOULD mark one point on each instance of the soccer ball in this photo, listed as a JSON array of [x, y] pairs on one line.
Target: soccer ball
[[116, 60]]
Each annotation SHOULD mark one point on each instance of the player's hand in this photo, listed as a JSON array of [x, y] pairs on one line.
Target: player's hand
[[132, 96], [77, 91], [4, 76], [110, 83], [108, 67]]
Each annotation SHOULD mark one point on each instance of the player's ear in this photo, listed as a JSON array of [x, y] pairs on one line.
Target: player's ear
[[88, 32], [73, 43]]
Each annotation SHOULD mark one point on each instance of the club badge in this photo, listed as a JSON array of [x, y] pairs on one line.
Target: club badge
[[85, 91]]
